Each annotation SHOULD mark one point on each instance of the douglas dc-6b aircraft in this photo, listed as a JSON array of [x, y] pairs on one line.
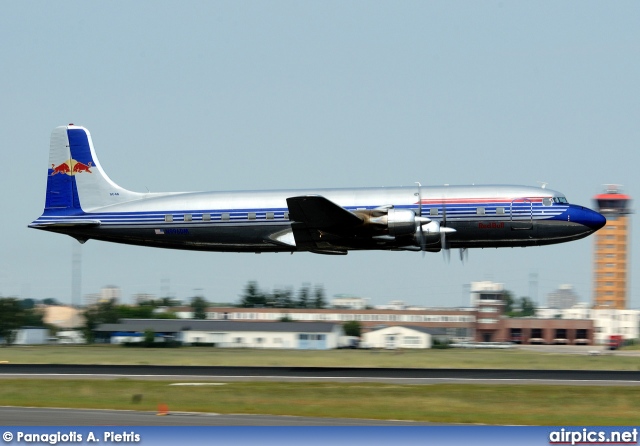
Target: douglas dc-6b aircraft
[[84, 203]]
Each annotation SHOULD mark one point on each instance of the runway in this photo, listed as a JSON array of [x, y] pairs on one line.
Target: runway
[[35, 416], [320, 374], [15, 416]]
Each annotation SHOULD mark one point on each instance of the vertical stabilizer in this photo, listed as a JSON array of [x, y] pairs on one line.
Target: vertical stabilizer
[[76, 182]]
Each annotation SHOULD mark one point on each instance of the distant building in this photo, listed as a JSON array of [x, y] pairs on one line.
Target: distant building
[[486, 291], [488, 299], [563, 297], [272, 335], [31, 336], [398, 337], [611, 253], [606, 321], [143, 297], [107, 294], [393, 305], [62, 316], [349, 302]]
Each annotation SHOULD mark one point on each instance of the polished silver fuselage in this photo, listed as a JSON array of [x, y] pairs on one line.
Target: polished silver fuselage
[[255, 221]]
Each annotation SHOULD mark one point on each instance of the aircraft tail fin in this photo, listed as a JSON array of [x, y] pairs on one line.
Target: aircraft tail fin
[[76, 182]]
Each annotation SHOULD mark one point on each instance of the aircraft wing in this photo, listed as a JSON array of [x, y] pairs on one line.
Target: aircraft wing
[[313, 216], [316, 212]]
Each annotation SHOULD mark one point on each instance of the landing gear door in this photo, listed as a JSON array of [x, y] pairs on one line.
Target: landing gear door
[[521, 214]]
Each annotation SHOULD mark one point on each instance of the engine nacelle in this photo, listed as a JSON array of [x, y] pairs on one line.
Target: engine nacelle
[[401, 222], [429, 234]]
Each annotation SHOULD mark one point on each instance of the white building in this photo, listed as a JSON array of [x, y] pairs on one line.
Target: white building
[[606, 321], [31, 336], [107, 293], [393, 305], [563, 297], [349, 302], [287, 335], [397, 337], [486, 291]]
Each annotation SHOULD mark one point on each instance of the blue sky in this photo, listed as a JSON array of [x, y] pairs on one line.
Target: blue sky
[[184, 96]]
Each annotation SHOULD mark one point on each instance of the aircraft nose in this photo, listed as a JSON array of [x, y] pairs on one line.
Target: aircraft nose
[[590, 218]]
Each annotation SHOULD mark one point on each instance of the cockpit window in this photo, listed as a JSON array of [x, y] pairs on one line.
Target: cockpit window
[[560, 200]]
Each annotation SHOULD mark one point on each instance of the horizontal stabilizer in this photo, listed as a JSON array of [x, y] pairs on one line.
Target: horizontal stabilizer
[[64, 224]]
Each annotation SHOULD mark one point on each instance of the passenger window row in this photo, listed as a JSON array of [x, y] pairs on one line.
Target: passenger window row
[[225, 216]]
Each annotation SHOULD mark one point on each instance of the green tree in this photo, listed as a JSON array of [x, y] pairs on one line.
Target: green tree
[[11, 319], [283, 298], [303, 296], [149, 337], [507, 298], [28, 304], [144, 311], [101, 313], [520, 307], [199, 306], [352, 328], [319, 300], [33, 318], [252, 296], [528, 308]]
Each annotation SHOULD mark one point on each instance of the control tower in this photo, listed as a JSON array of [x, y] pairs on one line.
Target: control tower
[[611, 254]]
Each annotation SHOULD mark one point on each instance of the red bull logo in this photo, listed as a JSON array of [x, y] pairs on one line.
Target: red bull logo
[[71, 167], [491, 225]]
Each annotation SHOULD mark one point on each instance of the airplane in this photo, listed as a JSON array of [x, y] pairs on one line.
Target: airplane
[[84, 203]]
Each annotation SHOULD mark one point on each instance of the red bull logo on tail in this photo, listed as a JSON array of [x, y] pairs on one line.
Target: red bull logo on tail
[[71, 167]]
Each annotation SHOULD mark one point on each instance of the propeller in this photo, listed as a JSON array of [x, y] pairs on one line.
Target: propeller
[[443, 233], [423, 240]]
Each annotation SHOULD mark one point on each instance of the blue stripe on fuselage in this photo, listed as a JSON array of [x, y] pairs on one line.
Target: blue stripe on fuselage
[[459, 212]]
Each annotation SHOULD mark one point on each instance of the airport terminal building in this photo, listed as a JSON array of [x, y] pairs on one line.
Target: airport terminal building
[[483, 321]]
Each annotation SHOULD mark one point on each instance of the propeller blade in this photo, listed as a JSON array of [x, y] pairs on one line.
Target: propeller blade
[[443, 233], [419, 198], [446, 254], [419, 220], [464, 255]]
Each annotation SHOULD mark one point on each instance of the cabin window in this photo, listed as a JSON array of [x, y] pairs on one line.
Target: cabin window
[[286, 216], [500, 211], [188, 217], [168, 218], [269, 215], [480, 211], [251, 216], [433, 211], [547, 201], [206, 217], [224, 216]]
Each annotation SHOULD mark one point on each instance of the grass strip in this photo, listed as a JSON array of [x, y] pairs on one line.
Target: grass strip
[[440, 403], [450, 358]]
